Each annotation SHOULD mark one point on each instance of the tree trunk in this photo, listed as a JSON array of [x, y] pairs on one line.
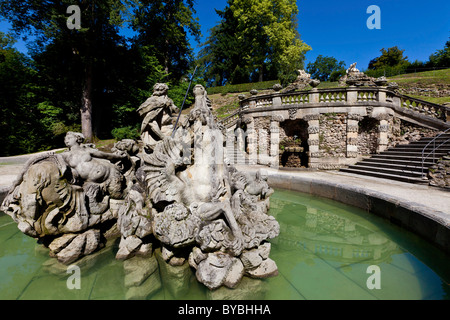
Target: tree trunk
[[261, 73], [86, 105]]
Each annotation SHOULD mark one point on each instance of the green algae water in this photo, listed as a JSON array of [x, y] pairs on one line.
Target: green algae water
[[325, 250]]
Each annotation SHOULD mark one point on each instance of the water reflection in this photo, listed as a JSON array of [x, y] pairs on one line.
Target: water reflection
[[322, 252], [330, 233], [150, 277]]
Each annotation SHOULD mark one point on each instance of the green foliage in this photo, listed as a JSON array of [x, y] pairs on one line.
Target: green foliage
[[324, 67], [114, 74], [255, 40], [128, 132], [392, 57], [164, 25], [20, 129], [441, 58]]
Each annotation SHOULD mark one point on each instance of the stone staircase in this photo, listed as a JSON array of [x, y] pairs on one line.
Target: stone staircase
[[403, 162], [236, 156]]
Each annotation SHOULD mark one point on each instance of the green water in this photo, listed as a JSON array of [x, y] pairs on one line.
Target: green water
[[323, 252]]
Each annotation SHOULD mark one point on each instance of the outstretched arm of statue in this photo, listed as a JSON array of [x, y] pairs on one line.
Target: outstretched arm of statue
[[109, 156]]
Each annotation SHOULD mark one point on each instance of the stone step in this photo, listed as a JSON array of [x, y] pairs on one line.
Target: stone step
[[417, 154], [386, 176], [403, 162], [399, 162], [388, 170], [420, 147], [400, 157], [402, 167]]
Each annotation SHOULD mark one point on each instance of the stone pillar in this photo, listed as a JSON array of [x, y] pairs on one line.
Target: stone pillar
[[352, 94], [252, 140], [383, 129], [313, 96], [276, 100], [240, 139], [275, 140], [313, 138], [229, 150], [263, 146], [381, 95], [352, 135]]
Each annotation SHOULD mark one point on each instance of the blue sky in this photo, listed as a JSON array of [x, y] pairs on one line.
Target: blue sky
[[338, 28]]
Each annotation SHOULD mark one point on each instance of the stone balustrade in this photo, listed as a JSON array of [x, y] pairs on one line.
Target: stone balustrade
[[351, 96]]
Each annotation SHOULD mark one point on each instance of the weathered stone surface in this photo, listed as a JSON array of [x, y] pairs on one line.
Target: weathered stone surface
[[92, 241], [59, 243], [251, 259], [439, 174], [213, 271], [73, 251], [127, 247], [266, 269], [235, 274]]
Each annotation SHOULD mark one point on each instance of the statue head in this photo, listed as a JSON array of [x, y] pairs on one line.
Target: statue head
[[262, 174], [72, 138], [198, 90], [160, 89]]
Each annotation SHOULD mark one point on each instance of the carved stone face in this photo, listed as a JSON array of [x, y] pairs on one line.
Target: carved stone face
[[198, 90], [160, 89], [73, 138]]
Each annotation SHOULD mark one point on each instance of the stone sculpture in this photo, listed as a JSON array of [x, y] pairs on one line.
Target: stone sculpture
[[176, 193], [302, 81], [158, 113], [69, 201], [354, 77]]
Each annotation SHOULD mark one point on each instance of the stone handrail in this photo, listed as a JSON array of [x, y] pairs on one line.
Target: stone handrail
[[345, 96], [424, 107], [230, 120]]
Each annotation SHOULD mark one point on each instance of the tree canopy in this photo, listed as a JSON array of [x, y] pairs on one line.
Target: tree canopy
[[255, 41], [325, 68], [95, 76], [391, 57]]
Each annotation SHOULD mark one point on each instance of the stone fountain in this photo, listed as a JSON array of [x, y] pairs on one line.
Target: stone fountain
[[176, 193]]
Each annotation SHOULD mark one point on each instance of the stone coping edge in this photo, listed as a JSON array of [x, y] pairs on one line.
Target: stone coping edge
[[431, 224]]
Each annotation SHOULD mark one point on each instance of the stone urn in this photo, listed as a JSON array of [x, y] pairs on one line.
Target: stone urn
[[277, 87], [381, 81], [314, 83]]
